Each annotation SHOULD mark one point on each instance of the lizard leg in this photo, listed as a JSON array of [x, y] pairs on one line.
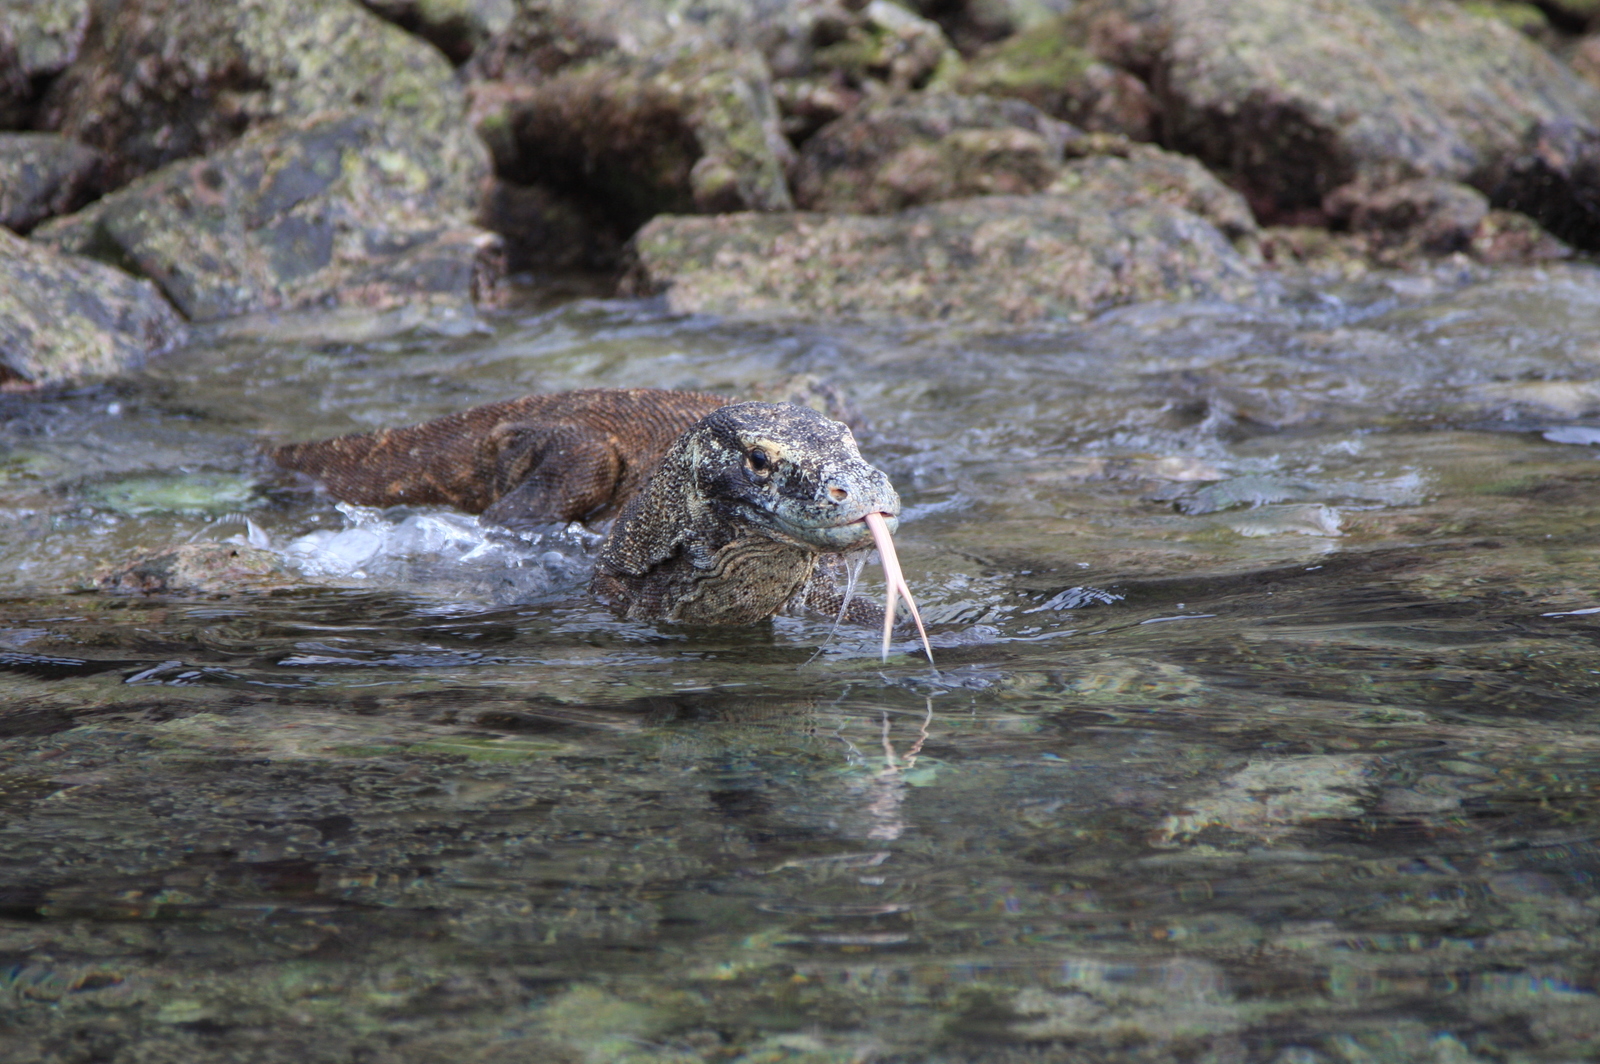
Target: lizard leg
[[552, 473]]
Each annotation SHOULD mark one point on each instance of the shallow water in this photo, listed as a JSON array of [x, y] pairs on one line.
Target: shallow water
[[1263, 727]]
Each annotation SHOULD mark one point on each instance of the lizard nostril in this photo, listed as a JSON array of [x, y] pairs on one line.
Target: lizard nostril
[[839, 494]]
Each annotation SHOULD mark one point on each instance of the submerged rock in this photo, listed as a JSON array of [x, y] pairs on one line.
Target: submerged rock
[[38, 38], [43, 175], [64, 318], [997, 259], [1046, 66], [690, 130], [340, 209], [207, 568], [159, 80], [899, 152]]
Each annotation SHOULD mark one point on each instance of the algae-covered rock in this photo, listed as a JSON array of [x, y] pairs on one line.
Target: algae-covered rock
[[43, 175], [1047, 67], [994, 259], [1120, 173], [159, 80], [38, 38], [687, 130], [456, 27], [898, 152], [340, 209], [64, 318], [1291, 100]]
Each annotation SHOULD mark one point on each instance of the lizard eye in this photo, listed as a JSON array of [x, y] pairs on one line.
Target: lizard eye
[[758, 462]]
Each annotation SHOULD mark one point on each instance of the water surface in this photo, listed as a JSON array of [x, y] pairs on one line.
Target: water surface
[[1263, 727]]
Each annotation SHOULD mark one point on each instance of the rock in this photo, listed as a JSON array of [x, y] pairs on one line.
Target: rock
[[897, 152], [988, 259], [1120, 173], [1585, 59], [1403, 225], [1507, 238], [43, 175], [883, 42], [340, 209], [808, 104], [66, 318], [206, 568], [971, 24], [160, 80], [455, 27], [1290, 99], [544, 230], [1044, 66], [1554, 177], [38, 38], [1421, 217], [1131, 34], [690, 130]]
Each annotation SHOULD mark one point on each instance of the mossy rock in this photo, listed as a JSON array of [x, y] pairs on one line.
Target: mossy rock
[[159, 80], [993, 260], [340, 209]]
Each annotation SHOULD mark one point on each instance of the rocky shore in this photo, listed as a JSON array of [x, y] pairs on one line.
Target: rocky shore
[[998, 162]]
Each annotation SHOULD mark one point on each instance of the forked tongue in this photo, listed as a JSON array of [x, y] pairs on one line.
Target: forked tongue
[[896, 581]]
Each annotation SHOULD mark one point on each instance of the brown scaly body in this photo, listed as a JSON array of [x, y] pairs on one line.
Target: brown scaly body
[[571, 456]]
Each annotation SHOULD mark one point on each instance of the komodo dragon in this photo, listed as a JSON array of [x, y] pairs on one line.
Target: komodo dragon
[[725, 512]]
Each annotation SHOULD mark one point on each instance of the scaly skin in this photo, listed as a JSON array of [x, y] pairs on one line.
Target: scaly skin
[[730, 528]]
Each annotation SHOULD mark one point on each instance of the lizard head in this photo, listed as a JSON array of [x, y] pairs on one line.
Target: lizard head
[[791, 474]]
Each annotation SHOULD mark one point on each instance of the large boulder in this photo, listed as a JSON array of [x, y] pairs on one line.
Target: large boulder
[[692, 129], [1291, 99], [160, 80], [988, 259], [38, 38], [896, 152], [65, 318], [345, 208], [1047, 66], [43, 175]]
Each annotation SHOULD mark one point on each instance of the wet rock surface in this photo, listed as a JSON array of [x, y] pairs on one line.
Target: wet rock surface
[[43, 175], [339, 209], [64, 317]]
